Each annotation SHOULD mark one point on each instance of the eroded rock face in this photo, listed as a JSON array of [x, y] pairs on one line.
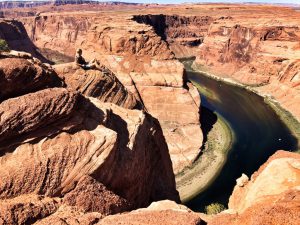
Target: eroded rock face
[[26, 209], [85, 139], [102, 85], [283, 210], [22, 115], [144, 64], [272, 196], [92, 196], [257, 51], [279, 174], [20, 76], [183, 33], [243, 43], [98, 34], [14, 33], [165, 93]]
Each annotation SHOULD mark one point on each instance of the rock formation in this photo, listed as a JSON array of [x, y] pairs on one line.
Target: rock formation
[[159, 215], [184, 34], [254, 48], [19, 76], [70, 155], [74, 142], [101, 84], [72, 150], [141, 60], [241, 42], [16, 36], [272, 196]]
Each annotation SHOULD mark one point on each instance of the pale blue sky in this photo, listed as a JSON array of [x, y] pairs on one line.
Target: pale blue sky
[[182, 1]]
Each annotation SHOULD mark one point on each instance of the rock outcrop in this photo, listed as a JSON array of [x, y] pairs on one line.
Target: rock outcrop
[[272, 196], [141, 60], [14, 33], [280, 174], [92, 196], [27, 209], [65, 137], [19, 76], [101, 84], [78, 159]]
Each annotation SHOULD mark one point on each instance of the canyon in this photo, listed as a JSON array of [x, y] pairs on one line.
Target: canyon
[[104, 146]]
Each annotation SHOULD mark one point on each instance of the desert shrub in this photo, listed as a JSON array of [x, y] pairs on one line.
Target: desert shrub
[[214, 208], [3, 45]]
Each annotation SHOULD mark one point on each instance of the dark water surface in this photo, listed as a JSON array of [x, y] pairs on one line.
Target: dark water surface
[[258, 132]]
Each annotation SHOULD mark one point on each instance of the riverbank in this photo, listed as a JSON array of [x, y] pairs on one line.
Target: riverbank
[[218, 140], [221, 137], [286, 117]]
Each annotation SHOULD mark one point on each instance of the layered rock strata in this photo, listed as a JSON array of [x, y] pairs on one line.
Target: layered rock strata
[[184, 34], [97, 83], [242, 42], [63, 122], [14, 33], [19, 76], [71, 150], [257, 50], [271, 196], [141, 60]]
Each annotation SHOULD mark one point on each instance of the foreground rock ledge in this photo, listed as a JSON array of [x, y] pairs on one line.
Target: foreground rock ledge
[[66, 137], [141, 60]]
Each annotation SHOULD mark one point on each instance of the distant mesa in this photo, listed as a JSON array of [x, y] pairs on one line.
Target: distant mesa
[[31, 4]]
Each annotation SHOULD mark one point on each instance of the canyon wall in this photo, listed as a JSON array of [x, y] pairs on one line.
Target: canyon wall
[[183, 33], [253, 45], [60, 151], [140, 59], [257, 47], [17, 38]]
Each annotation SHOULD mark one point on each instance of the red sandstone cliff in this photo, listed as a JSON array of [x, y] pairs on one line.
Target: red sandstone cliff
[[272, 196], [141, 60], [260, 47], [253, 45], [65, 143]]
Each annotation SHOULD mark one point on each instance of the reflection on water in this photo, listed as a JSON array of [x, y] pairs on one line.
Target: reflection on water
[[259, 133]]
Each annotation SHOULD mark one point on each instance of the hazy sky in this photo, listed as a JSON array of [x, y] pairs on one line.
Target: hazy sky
[[181, 1]]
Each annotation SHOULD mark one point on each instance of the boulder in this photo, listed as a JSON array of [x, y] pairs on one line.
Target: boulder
[[20, 76]]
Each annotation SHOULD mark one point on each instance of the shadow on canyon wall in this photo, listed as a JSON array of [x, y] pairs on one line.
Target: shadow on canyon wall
[[14, 33]]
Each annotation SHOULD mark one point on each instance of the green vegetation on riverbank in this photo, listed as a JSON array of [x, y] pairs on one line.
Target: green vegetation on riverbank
[[3, 45]]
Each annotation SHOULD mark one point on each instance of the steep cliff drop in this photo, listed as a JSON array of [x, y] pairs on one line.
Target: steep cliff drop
[[141, 60], [17, 38], [64, 143], [248, 46], [72, 156]]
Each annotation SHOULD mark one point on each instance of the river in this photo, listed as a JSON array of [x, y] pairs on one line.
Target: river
[[258, 132]]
